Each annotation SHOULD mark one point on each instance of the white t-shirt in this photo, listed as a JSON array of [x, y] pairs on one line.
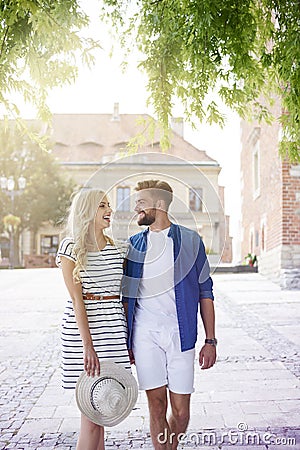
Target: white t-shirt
[[156, 304]]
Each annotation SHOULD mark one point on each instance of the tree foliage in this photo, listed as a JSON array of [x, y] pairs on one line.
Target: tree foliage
[[246, 51], [39, 48], [47, 193]]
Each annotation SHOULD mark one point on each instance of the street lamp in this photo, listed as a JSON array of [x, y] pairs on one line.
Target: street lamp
[[8, 187]]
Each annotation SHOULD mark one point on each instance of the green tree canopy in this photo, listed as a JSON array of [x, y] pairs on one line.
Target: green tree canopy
[[246, 51], [47, 193], [39, 48]]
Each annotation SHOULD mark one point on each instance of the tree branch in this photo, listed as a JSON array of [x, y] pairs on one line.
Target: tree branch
[[3, 41]]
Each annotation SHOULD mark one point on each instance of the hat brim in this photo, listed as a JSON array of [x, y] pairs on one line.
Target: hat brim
[[84, 386]]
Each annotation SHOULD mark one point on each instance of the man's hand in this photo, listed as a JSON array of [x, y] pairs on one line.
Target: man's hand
[[207, 356], [131, 357]]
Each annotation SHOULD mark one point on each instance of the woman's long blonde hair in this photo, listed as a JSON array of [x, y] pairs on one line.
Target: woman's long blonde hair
[[82, 213]]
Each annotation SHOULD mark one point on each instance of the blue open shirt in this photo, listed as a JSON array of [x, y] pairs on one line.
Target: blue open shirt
[[192, 280]]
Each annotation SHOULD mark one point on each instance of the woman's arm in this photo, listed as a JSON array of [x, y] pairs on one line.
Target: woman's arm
[[91, 361]]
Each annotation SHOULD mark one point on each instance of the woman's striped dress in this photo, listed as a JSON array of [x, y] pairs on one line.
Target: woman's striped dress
[[106, 318]]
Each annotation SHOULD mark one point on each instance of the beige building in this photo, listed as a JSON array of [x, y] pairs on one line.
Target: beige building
[[92, 148], [270, 204]]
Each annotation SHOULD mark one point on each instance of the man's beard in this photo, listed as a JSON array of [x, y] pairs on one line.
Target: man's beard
[[148, 218]]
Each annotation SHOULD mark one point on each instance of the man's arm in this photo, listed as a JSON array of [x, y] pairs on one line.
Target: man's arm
[[130, 352], [125, 303], [207, 355]]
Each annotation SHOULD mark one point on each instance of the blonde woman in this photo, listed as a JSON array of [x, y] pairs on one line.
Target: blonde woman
[[94, 325]]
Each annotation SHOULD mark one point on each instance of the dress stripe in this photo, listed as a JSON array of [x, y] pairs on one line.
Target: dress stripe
[[106, 318]]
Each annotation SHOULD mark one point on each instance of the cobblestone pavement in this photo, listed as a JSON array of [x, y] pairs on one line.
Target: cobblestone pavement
[[280, 348], [249, 399]]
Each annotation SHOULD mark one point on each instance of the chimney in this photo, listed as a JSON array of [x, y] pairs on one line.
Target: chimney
[[177, 125], [116, 115]]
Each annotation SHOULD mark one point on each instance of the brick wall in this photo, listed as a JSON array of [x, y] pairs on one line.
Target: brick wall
[[271, 213], [291, 204], [262, 208], [225, 239], [290, 254]]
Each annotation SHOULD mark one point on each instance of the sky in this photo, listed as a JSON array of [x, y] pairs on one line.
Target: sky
[[97, 89]]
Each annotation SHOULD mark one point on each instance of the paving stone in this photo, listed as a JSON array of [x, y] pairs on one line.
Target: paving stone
[[282, 419], [289, 406], [69, 424], [285, 447], [248, 447], [6, 436], [263, 406], [35, 426], [66, 411], [41, 412], [255, 380], [211, 421]]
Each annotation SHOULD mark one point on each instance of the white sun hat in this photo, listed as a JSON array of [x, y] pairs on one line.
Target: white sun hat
[[109, 398]]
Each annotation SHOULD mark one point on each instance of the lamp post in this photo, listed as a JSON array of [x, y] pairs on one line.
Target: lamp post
[[8, 187]]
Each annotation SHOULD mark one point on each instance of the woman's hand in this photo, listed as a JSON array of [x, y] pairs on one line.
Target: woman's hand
[[91, 361]]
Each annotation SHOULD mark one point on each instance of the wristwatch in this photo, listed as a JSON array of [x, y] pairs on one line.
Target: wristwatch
[[213, 341]]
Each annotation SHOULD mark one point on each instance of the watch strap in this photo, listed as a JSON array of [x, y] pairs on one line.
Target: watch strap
[[211, 341]]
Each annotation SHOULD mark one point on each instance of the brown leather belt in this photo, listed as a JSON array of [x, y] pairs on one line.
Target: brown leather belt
[[99, 297]]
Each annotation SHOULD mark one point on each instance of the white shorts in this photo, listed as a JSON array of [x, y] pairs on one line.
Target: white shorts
[[159, 360]]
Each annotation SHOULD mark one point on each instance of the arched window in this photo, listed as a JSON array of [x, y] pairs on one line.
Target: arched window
[[263, 237]]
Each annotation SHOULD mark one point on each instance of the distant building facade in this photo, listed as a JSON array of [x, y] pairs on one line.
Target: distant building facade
[[270, 204], [92, 149]]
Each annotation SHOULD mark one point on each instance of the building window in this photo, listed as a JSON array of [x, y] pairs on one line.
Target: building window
[[251, 239], [263, 237], [256, 238], [4, 248], [49, 245], [195, 199], [123, 199], [256, 169]]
